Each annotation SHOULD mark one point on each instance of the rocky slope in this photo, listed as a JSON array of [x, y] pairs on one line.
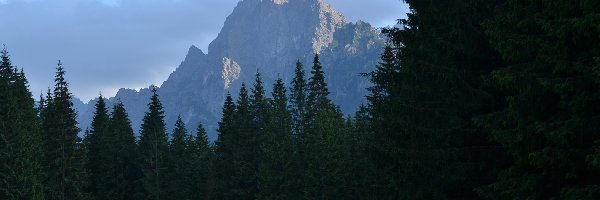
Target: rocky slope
[[267, 36]]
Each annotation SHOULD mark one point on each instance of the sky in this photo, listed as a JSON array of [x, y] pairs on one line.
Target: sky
[[105, 45]]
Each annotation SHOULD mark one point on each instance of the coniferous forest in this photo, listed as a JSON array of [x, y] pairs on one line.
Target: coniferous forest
[[478, 99]]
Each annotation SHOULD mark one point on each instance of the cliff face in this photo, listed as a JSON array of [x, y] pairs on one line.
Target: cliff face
[[266, 36]]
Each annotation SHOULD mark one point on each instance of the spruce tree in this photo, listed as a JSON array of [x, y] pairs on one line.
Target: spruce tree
[[153, 149], [362, 177], [126, 171], [298, 108], [549, 122], [318, 92], [225, 146], [65, 153], [426, 141], [322, 145], [201, 179], [237, 153], [21, 150], [260, 109], [8, 133], [245, 151], [298, 95], [276, 171], [100, 161], [179, 159]]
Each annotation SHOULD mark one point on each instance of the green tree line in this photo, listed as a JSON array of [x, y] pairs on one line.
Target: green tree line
[[471, 99]]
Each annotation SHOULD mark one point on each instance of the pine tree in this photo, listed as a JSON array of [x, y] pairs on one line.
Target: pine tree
[[298, 108], [100, 161], [426, 141], [126, 171], [318, 92], [298, 95], [201, 176], [65, 153], [245, 151], [260, 109], [236, 163], [362, 176], [225, 145], [153, 149], [321, 145], [21, 151], [8, 133], [276, 171], [179, 159], [549, 122]]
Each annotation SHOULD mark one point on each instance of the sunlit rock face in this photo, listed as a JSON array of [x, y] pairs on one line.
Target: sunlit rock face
[[266, 36]]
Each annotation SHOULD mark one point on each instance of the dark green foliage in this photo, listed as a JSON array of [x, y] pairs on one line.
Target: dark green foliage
[[427, 89], [324, 155], [261, 114], [298, 95], [179, 160], [238, 148], [549, 125], [225, 145], [298, 109], [21, 172], [276, 171], [362, 176], [322, 146], [100, 160], [125, 172], [65, 153], [153, 149], [260, 107], [317, 99], [495, 99], [246, 151], [202, 178], [112, 163]]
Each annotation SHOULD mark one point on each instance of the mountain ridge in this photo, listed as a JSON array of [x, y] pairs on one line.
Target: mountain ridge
[[266, 37]]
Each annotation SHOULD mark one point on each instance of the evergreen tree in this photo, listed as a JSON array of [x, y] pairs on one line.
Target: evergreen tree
[[245, 151], [318, 92], [126, 172], [362, 176], [237, 153], [549, 123], [422, 112], [321, 145], [276, 171], [21, 171], [298, 108], [100, 161], [325, 156], [260, 109], [180, 157], [201, 178], [298, 95], [225, 145], [65, 153], [153, 149]]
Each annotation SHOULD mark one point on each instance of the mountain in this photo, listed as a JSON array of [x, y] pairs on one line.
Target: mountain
[[265, 36]]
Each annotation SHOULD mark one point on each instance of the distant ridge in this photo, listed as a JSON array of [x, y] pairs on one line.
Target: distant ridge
[[267, 36]]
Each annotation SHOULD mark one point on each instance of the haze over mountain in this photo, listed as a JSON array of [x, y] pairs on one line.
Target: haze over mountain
[[265, 36]]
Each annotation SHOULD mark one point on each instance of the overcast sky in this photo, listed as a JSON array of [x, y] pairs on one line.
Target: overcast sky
[[110, 44]]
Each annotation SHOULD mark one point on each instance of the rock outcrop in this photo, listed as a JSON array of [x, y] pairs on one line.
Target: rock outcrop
[[267, 36]]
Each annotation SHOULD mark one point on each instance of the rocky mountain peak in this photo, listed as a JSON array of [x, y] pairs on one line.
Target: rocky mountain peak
[[266, 36]]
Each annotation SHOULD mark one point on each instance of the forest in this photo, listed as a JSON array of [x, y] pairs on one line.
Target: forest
[[472, 99]]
